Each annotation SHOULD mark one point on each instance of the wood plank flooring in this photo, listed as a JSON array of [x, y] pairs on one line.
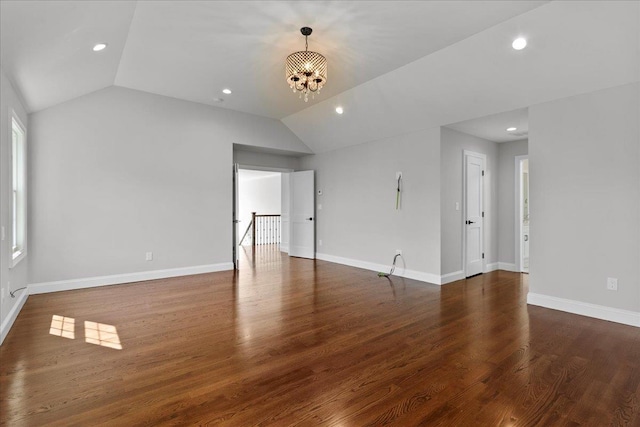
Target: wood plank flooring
[[302, 342]]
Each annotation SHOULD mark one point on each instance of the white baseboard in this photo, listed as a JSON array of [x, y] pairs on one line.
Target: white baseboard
[[507, 266], [117, 279], [585, 309], [491, 267], [13, 314], [402, 272], [451, 277]]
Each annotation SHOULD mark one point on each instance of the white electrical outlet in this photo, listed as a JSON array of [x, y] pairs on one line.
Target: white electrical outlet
[[149, 256], [320, 242], [398, 251], [612, 283], [319, 206], [457, 206]]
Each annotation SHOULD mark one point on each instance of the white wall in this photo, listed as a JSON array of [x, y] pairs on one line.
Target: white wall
[[358, 222], [10, 277], [118, 172], [453, 143], [258, 194], [584, 157], [507, 152]]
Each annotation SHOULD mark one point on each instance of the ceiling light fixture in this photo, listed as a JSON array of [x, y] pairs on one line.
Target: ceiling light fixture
[[339, 110], [306, 71], [511, 129], [226, 91], [519, 43], [98, 47]]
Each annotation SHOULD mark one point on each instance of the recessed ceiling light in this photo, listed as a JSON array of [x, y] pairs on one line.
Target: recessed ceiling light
[[519, 43], [98, 47], [227, 91], [339, 110], [511, 129]]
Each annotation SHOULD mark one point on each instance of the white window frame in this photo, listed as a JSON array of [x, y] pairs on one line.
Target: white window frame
[[19, 189]]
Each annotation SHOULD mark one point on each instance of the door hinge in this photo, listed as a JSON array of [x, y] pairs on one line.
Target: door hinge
[[482, 214], [482, 173], [482, 255]]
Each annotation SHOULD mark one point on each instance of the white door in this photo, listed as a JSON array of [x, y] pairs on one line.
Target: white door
[[284, 213], [234, 217], [302, 215], [474, 215], [524, 191]]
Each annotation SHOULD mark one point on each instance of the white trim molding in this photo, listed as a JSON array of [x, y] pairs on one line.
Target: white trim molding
[[488, 268], [508, 266], [452, 277], [13, 314], [399, 271], [118, 279], [602, 312]]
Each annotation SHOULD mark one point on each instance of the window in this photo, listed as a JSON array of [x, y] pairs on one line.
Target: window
[[18, 170]]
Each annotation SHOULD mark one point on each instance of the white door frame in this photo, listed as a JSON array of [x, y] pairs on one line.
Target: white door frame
[[518, 212], [466, 153], [236, 201]]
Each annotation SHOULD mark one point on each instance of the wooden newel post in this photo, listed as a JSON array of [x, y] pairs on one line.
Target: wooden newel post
[[253, 228]]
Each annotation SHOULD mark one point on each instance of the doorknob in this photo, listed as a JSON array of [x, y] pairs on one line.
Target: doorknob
[[469, 222], [309, 219]]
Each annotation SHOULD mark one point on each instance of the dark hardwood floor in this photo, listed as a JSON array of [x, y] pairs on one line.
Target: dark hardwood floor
[[302, 342]]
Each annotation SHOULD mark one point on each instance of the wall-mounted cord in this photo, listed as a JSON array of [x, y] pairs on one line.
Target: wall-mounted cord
[[13, 293], [393, 267]]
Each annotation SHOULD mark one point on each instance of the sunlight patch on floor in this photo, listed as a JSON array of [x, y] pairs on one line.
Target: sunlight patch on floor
[[102, 334], [63, 326], [94, 333]]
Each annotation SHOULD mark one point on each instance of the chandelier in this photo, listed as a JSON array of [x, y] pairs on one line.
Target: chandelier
[[306, 71]]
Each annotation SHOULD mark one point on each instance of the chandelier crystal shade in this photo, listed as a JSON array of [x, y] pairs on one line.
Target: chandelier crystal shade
[[306, 71]]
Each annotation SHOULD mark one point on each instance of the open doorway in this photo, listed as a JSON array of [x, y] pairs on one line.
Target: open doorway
[[259, 212]]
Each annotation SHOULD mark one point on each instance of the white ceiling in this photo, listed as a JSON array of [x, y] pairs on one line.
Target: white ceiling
[[574, 47], [396, 67], [245, 175], [45, 47], [494, 127], [191, 50]]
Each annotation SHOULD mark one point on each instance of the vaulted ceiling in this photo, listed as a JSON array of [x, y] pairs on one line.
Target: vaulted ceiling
[[394, 66]]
